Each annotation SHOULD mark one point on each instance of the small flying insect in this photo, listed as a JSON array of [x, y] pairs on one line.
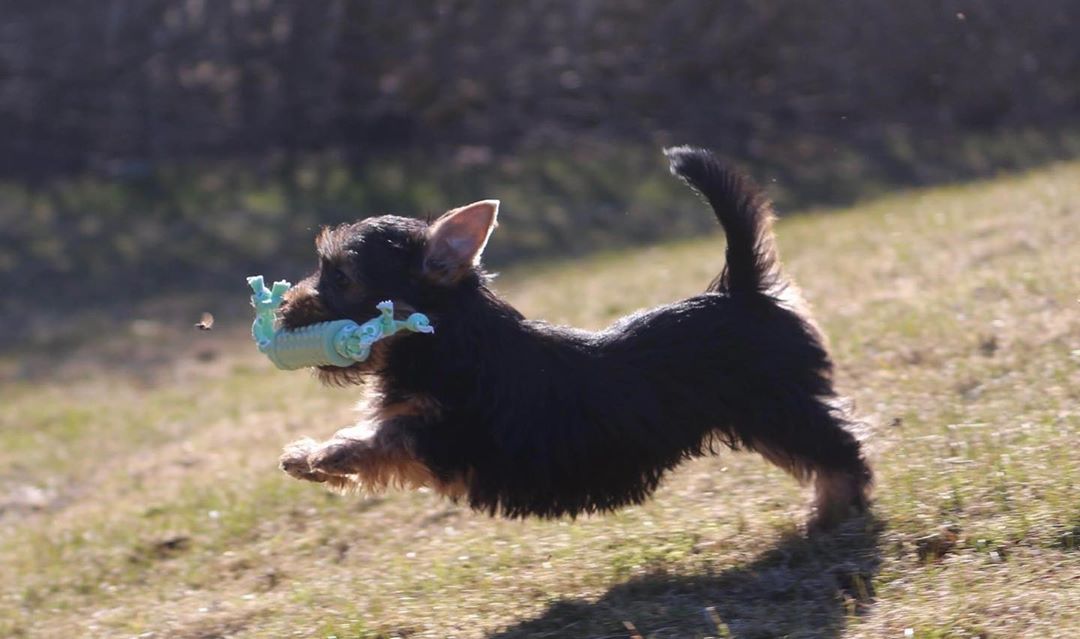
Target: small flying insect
[[205, 323]]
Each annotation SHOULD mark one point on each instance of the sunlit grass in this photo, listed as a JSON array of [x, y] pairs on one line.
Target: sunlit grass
[[147, 500]]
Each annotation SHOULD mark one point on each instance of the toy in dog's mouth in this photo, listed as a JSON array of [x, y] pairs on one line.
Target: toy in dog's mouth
[[338, 343]]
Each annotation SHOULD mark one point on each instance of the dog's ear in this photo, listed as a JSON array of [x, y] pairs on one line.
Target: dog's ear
[[456, 240]]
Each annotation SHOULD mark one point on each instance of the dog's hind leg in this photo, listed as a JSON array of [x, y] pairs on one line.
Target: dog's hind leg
[[817, 445]]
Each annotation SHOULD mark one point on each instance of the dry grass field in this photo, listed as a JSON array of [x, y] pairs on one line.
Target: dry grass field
[[139, 494]]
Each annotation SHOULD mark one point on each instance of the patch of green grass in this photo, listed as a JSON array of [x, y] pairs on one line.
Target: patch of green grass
[[147, 499]]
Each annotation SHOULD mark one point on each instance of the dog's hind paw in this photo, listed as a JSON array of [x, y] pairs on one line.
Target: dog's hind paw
[[839, 497]]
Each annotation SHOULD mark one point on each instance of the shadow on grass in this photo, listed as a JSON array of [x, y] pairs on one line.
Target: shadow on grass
[[800, 588]]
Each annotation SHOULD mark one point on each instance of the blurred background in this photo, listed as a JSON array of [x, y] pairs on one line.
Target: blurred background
[[170, 147]]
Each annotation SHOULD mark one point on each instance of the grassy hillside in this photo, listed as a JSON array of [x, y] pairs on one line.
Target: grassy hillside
[[139, 495], [112, 244]]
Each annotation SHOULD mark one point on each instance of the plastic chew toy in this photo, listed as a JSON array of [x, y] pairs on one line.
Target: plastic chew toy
[[336, 343]]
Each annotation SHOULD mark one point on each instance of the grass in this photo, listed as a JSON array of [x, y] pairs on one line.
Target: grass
[[141, 498]]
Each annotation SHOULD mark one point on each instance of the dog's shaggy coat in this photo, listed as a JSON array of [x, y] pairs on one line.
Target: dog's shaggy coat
[[518, 417]]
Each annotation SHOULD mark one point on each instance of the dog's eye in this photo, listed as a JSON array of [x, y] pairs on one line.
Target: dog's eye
[[340, 278]]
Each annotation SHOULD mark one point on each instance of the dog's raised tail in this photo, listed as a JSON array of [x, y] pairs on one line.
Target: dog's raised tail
[[745, 213]]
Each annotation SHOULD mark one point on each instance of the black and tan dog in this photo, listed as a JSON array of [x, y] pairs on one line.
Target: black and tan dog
[[518, 417]]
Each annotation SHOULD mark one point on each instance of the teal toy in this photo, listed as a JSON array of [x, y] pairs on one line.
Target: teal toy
[[337, 343]]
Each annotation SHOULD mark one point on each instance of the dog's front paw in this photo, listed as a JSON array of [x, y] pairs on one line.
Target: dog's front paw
[[340, 456], [294, 460]]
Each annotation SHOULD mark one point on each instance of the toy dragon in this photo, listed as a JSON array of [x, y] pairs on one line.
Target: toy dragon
[[336, 343]]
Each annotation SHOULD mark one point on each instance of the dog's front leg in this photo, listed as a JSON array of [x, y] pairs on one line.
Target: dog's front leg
[[295, 461], [371, 455], [350, 450]]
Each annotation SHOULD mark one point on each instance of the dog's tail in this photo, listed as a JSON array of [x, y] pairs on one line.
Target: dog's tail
[[745, 213]]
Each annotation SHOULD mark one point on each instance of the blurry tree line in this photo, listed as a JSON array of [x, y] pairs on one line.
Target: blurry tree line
[[121, 86], [192, 139]]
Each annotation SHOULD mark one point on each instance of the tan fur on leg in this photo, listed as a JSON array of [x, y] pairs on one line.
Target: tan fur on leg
[[837, 496], [294, 460], [371, 456]]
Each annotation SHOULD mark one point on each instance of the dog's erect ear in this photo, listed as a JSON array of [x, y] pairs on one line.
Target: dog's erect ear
[[456, 240]]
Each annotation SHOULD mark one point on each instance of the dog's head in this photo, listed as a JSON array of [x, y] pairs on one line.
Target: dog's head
[[419, 266]]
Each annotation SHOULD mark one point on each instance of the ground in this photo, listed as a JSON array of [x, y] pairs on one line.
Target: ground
[[139, 493]]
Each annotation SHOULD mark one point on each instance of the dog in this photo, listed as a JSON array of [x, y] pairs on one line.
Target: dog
[[517, 417]]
